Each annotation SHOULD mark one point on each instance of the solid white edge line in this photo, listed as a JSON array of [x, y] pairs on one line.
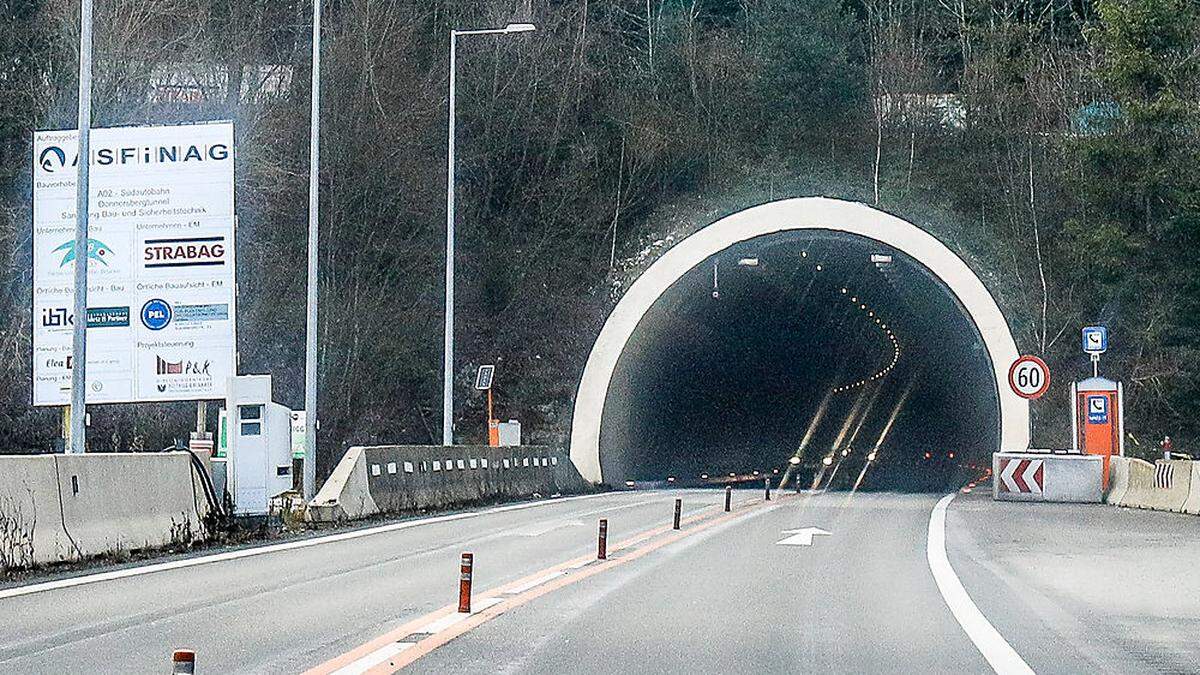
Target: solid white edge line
[[17, 591], [373, 659], [995, 649], [536, 582], [439, 625]]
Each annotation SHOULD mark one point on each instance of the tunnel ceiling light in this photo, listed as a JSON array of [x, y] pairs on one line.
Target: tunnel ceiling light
[[793, 460], [819, 268], [751, 261], [803, 254], [844, 291], [827, 461]]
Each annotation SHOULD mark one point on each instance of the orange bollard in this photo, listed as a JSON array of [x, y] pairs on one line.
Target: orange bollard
[[464, 583]]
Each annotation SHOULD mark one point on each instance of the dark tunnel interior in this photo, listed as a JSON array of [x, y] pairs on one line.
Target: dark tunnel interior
[[813, 344]]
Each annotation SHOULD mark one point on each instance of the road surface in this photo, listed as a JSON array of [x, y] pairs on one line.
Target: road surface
[[1066, 588]]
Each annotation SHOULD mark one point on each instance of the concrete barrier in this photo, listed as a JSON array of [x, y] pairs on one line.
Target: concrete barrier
[[1119, 480], [66, 507], [394, 479], [1047, 477], [1192, 504], [1162, 486]]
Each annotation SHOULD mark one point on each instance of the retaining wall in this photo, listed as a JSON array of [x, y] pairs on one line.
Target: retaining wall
[[393, 479], [67, 507]]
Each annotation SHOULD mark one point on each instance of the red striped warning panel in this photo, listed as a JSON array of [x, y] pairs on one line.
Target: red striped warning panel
[[1022, 475]]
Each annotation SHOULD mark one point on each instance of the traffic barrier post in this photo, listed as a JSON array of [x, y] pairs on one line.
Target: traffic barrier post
[[183, 662], [602, 542], [678, 509], [464, 583], [728, 496], [767, 487]]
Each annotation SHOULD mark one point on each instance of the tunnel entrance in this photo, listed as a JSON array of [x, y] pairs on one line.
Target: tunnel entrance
[[809, 328]]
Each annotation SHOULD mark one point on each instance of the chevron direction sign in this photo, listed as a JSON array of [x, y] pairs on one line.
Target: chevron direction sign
[[1026, 476]]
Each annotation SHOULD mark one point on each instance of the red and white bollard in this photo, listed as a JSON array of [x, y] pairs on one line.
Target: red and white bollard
[[602, 542], [678, 509], [183, 662], [767, 487], [728, 496], [464, 583]]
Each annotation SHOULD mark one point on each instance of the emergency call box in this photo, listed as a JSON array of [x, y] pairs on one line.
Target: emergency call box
[[1097, 419]]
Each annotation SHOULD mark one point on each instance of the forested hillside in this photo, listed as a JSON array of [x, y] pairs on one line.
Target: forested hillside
[[1053, 143]]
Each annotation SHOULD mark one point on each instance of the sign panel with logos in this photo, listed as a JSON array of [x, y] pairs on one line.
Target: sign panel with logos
[[161, 269]]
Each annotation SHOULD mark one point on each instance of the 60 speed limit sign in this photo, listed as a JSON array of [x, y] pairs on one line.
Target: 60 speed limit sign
[[1029, 377]]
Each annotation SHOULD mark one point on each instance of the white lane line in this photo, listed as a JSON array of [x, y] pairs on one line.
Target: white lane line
[[991, 644], [536, 582], [42, 587], [439, 625], [373, 659]]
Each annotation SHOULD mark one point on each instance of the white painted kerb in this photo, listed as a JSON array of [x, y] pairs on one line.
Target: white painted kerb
[[806, 213]]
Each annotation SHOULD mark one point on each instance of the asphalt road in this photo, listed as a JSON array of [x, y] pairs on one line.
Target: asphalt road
[[1070, 588]]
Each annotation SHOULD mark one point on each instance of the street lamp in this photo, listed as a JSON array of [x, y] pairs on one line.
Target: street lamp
[[448, 347]]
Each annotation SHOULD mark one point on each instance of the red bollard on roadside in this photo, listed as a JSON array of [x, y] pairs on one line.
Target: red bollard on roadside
[[183, 662], [728, 496], [678, 509], [464, 583], [602, 542]]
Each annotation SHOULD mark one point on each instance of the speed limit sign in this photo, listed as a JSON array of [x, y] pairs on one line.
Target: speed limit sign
[[1029, 377]]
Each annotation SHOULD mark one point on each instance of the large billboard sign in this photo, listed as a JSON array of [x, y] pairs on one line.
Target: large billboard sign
[[161, 317]]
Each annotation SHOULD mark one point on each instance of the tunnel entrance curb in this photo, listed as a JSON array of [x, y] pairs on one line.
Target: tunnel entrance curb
[[797, 214]]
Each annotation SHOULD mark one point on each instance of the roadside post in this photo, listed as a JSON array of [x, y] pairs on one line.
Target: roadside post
[[602, 541], [678, 510], [728, 496], [767, 487], [183, 662], [464, 583]]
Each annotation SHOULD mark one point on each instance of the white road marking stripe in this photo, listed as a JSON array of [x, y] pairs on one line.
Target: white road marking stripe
[[439, 625], [373, 659], [999, 654], [536, 582], [44, 586], [582, 563]]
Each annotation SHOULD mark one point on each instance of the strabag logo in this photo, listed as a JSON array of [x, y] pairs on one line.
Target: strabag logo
[[96, 250], [188, 252]]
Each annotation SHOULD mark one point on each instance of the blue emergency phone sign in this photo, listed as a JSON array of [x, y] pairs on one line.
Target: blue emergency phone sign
[[1097, 410], [1095, 340]]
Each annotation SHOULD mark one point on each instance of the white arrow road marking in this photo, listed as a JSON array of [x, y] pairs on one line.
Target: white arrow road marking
[[801, 537], [999, 654]]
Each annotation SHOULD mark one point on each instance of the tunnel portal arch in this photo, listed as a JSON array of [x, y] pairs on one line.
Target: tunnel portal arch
[[804, 213]]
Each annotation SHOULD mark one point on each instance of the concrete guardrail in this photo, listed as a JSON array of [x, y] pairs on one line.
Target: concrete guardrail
[[394, 479], [1047, 477], [1162, 486], [66, 507]]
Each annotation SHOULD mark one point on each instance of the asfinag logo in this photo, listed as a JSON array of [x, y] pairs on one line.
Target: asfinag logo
[[52, 159], [156, 314], [97, 250]]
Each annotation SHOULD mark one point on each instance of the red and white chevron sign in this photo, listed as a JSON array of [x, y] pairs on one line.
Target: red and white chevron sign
[[1022, 475]]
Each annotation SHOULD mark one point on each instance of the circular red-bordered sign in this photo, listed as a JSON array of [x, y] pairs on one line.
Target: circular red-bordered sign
[[1029, 377]]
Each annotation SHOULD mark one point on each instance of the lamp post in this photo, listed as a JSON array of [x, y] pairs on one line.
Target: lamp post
[[448, 347], [78, 413], [309, 481]]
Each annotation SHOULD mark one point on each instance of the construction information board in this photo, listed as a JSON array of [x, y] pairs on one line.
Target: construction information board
[[161, 275]]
